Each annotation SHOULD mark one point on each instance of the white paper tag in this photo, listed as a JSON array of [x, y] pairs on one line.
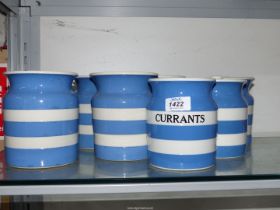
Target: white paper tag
[[178, 104]]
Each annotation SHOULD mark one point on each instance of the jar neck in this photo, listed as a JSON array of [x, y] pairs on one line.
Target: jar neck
[[184, 88], [40, 82], [85, 85], [122, 84], [228, 89], [246, 88]]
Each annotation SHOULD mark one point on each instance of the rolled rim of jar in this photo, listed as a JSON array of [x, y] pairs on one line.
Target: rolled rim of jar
[[171, 76], [185, 79], [231, 79], [83, 77], [122, 73], [217, 77], [244, 78], [42, 72]]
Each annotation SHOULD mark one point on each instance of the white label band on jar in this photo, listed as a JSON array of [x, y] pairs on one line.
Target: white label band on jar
[[231, 139], [190, 147], [178, 104], [47, 115], [134, 140], [182, 118], [119, 114], [86, 129], [229, 114], [41, 142], [85, 108], [250, 110]]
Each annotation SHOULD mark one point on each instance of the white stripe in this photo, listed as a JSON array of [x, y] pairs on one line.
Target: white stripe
[[121, 140], [249, 130], [85, 129], [40, 115], [189, 147], [119, 114], [160, 118], [1, 138], [229, 114], [250, 110], [231, 139], [41, 142], [85, 108]]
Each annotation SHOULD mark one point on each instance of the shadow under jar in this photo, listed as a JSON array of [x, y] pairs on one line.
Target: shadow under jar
[[40, 119], [119, 115]]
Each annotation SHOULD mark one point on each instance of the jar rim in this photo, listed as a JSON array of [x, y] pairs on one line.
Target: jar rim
[[122, 73], [41, 72], [244, 78], [83, 76], [198, 79], [231, 79], [171, 76], [217, 77]]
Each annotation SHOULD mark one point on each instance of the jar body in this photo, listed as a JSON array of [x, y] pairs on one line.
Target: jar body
[[182, 125], [232, 119], [86, 91], [40, 120], [250, 102], [119, 116]]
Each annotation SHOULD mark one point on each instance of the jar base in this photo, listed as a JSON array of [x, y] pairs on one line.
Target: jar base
[[181, 170], [39, 168]]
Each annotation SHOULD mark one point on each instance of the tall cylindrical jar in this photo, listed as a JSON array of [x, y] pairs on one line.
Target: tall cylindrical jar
[[40, 119], [119, 115], [86, 91], [182, 121], [232, 118], [250, 102]]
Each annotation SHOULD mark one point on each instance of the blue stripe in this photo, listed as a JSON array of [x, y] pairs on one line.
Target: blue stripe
[[230, 151], [86, 141], [182, 162], [119, 127], [250, 119], [30, 158], [121, 153], [182, 132], [249, 139], [85, 97], [40, 129], [85, 119], [232, 127]]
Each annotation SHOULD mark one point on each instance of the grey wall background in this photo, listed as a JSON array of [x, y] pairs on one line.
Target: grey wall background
[[196, 47]]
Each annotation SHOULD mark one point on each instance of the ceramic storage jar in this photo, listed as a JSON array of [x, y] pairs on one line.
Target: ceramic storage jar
[[232, 117], [182, 123], [40, 119], [119, 115], [86, 91]]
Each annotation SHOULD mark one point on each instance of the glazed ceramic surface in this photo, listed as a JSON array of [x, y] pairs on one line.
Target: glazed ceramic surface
[[40, 119], [232, 118], [119, 115], [86, 91], [250, 102], [182, 124]]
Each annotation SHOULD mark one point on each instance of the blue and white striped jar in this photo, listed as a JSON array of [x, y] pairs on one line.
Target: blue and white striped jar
[[250, 102], [182, 121], [86, 91], [119, 115], [232, 117], [40, 119]]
